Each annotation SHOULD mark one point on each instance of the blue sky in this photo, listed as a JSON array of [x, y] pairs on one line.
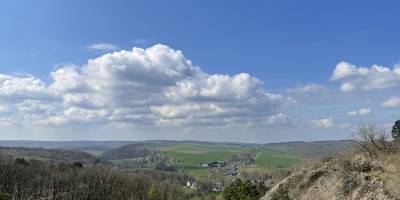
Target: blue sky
[[284, 44]]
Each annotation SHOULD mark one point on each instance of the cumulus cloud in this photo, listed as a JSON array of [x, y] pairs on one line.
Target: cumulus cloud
[[393, 101], [353, 78], [323, 123], [360, 112], [65, 79], [34, 106], [223, 96], [13, 86], [102, 47], [4, 109], [276, 119], [143, 87]]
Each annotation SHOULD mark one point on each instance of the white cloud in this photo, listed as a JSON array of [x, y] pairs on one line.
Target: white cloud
[[12, 86], [4, 109], [362, 78], [34, 106], [223, 96], [393, 101], [65, 79], [7, 121], [360, 112], [308, 88], [103, 47], [323, 123], [143, 87], [276, 119]]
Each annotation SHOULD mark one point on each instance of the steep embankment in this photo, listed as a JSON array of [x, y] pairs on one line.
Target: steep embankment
[[356, 178]]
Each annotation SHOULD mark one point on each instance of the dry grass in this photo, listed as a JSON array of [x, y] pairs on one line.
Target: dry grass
[[391, 174]]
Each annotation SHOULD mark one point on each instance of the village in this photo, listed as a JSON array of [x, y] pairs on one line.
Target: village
[[229, 168]]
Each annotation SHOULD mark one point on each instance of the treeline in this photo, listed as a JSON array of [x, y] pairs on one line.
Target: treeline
[[57, 155], [21, 179], [127, 151]]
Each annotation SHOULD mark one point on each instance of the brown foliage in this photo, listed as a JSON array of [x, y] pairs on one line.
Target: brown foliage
[[373, 140]]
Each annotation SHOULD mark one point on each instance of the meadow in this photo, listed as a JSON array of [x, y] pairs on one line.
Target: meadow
[[191, 155]]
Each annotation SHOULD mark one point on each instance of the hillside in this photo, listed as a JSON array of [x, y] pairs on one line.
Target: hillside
[[356, 178], [55, 155], [127, 151], [319, 150]]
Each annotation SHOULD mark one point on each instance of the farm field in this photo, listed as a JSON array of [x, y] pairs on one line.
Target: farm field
[[270, 159], [191, 155], [96, 153]]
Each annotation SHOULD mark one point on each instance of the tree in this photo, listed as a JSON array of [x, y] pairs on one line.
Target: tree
[[153, 193], [239, 190], [5, 196], [236, 191], [396, 131], [372, 140]]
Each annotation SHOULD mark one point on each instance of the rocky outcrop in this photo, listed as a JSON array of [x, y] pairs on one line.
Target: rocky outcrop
[[358, 178]]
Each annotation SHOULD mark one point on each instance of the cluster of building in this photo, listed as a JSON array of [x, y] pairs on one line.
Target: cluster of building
[[214, 164]]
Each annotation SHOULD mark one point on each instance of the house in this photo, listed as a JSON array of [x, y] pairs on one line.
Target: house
[[216, 164], [191, 184]]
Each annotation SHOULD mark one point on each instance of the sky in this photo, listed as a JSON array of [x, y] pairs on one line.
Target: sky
[[254, 71]]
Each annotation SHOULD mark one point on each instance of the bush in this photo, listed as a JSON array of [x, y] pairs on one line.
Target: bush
[[5, 196], [281, 194], [396, 131], [22, 179], [373, 140], [239, 190]]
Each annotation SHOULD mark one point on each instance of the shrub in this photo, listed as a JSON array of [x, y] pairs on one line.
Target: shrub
[[396, 131], [281, 194], [372, 140], [244, 190]]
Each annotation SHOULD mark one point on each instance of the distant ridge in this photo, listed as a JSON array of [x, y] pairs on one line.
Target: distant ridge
[[82, 144]]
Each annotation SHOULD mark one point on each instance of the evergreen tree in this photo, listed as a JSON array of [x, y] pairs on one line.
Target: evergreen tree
[[244, 190], [396, 131]]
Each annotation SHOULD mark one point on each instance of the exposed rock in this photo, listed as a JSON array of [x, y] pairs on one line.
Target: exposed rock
[[357, 179]]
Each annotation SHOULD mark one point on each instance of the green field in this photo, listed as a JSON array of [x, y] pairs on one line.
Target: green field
[[96, 153], [191, 155], [271, 159]]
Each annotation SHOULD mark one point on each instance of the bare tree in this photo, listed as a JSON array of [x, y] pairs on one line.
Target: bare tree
[[372, 140]]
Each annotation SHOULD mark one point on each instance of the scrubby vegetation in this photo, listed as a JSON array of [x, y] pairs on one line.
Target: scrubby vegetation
[[244, 190], [33, 179], [175, 170], [371, 171], [55, 155]]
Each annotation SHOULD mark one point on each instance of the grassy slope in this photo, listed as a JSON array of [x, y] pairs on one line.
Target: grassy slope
[[190, 155], [270, 159], [96, 153]]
